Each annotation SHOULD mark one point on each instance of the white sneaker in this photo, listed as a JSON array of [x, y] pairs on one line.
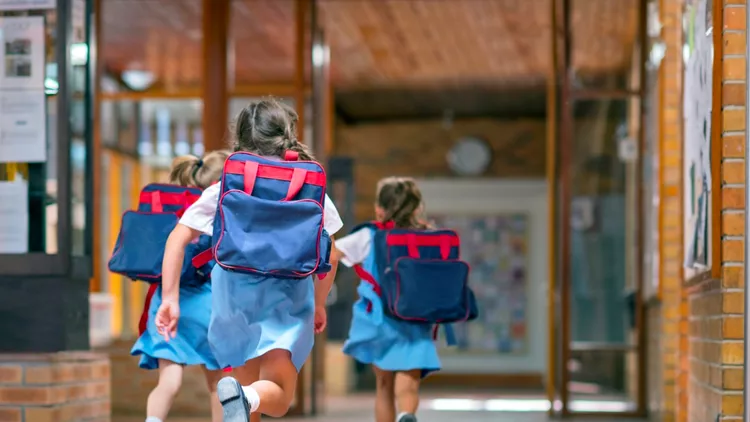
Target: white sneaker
[[233, 400]]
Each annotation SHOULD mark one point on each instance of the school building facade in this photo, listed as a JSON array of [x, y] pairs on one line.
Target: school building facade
[[624, 119]]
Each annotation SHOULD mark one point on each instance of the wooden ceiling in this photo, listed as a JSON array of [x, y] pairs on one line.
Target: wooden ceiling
[[375, 44]]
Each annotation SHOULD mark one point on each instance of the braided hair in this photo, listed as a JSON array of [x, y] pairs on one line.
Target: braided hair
[[269, 128]]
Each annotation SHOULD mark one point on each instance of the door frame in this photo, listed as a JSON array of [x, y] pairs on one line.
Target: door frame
[[561, 95]]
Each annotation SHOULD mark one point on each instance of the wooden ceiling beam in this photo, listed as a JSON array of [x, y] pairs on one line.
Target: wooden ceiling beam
[[242, 90], [215, 57]]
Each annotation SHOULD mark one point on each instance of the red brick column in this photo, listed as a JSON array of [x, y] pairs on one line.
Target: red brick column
[[58, 387], [667, 319], [716, 306]]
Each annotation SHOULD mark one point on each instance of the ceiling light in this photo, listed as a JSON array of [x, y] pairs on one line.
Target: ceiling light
[[79, 54], [138, 80]]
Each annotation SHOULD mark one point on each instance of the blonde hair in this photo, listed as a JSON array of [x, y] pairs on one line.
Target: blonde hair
[[189, 170]]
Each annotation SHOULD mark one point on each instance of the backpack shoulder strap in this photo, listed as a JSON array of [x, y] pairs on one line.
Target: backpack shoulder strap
[[450, 335], [158, 194], [376, 225]]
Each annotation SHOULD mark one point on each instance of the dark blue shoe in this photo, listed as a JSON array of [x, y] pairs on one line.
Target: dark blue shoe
[[233, 400], [406, 417]]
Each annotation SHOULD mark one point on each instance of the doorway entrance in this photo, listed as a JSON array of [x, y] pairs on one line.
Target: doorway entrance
[[596, 169]]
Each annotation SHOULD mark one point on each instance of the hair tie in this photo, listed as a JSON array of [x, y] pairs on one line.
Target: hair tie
[[198, 165]]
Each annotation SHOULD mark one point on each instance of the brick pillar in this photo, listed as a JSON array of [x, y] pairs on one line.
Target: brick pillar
[[667, 320], [716, 306], [55, 387]]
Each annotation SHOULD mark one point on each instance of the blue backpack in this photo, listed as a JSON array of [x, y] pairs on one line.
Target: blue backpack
[[269, 220], [420, 278], [139, 249]]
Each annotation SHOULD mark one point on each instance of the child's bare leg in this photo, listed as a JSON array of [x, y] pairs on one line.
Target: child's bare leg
[[407, 391], [277, 384], [385, 405], [160, 400], [271, 396], [212, 378], [246, 375]]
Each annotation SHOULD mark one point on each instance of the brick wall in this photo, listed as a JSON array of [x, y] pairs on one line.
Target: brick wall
[[716, 321], [667, 324], [61, 387], [655, 373], [132, 385], [419, 149]]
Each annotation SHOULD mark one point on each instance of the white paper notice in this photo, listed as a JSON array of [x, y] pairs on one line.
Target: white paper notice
[[27, 4], [14, 217], [22, 127], [22, 52]]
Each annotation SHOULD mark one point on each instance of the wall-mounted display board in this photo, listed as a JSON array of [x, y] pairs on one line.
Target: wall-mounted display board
[[698, 53]]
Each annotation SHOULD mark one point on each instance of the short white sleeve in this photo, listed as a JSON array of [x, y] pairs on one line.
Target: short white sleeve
[[355, 247], [200, 216], [331, 218]]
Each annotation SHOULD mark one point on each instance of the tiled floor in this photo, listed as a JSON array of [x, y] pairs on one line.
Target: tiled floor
[[436, 408]]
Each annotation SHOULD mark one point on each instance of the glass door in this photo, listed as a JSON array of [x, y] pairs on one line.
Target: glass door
[[599, 347]]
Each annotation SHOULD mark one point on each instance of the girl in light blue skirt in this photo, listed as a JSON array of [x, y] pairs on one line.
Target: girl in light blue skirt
[[263, 327], [401, 353], [191, 347]]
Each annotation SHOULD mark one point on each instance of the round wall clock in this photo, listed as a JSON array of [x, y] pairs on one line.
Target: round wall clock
[[469, 156]]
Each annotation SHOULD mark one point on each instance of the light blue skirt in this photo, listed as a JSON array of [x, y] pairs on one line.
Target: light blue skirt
[[252, 315], [190, 346], [387, 343]]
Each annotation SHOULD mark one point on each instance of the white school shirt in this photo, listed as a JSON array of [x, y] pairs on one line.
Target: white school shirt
[[355, 247], [200, 216]]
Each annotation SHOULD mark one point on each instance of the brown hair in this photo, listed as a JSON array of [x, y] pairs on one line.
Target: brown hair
[[401, 200], [189, 170], [268, 128]]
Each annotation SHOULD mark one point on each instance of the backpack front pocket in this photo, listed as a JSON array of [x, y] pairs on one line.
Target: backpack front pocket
[[430, 290], [255, 239], [139, 249]]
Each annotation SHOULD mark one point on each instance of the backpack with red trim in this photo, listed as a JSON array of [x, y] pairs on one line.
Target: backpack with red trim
[[269, 219], [420, 277], [139, 249]]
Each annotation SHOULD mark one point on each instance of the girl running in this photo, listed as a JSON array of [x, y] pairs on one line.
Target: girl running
[[191, 347], [401, 353], [261, 326]]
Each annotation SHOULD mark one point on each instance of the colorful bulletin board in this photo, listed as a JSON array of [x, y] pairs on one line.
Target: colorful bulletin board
[[496, 248], [698, 54]]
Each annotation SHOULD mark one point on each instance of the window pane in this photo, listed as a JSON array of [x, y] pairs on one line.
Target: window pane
[[603, 222], [28, 128]]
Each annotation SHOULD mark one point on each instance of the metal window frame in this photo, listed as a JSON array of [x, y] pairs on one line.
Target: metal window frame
[[63, 263]]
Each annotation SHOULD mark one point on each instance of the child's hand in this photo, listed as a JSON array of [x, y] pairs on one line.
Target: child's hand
[[166, 319], [321, 319]]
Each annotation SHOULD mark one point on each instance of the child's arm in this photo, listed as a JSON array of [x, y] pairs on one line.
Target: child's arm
[[197, 219], [323, 286], [174, 255]]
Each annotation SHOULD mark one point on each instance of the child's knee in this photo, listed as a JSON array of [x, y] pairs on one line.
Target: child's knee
[[384, 380], [212, 379], [169, 385], [407, 383], [170, 378]]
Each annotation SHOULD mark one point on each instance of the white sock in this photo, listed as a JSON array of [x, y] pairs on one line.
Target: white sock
[[252, 397], [153, 419]]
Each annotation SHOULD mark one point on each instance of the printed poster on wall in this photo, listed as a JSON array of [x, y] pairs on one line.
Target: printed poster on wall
[[23, 120], [14, 216], [22, 52], [698, 55], [7, 5], [22, 126]]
